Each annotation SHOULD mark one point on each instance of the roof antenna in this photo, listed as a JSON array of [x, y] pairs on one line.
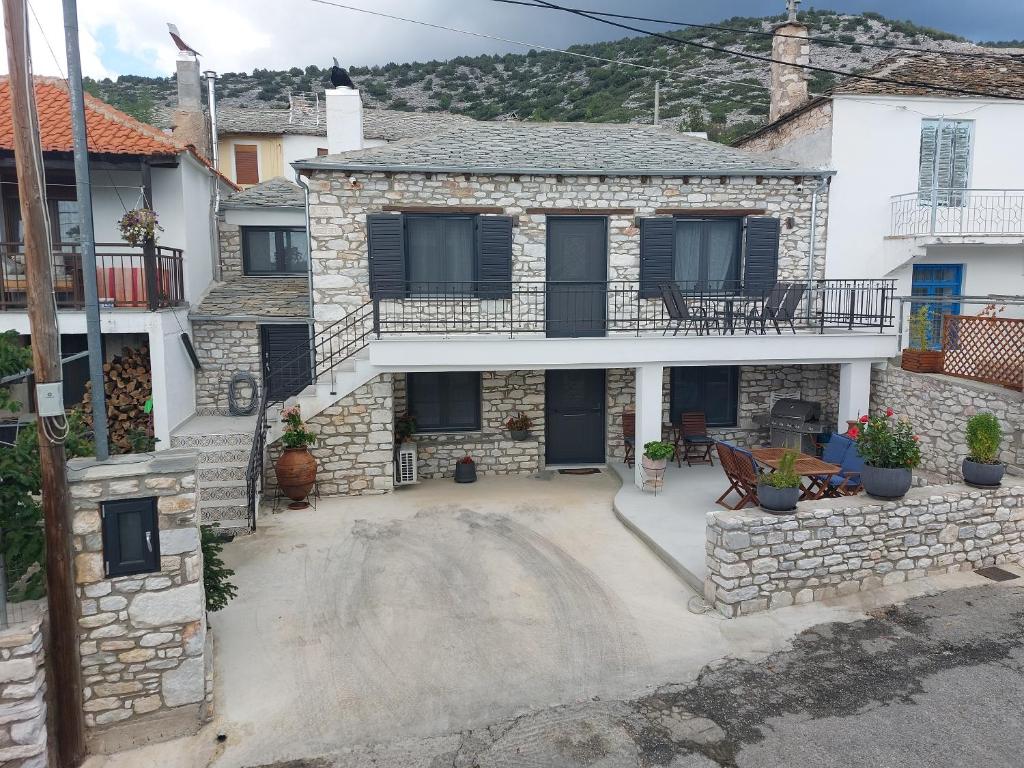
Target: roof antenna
[[791, 7]]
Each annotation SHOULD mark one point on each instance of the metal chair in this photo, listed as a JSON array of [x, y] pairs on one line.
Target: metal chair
[[680, 313], [786, 312], [773, 300], [697, 444]]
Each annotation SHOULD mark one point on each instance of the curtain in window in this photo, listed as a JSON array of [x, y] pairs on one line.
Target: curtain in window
[[441, 253], [688, 252], [707, 253], [723, 246], [944, 161]]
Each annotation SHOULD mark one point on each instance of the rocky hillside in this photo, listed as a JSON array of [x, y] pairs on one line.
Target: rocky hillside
[[551, 86]]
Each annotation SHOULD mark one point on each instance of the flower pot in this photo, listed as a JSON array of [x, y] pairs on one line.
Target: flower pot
[[775, 499], [296, 474], [520, 434], [985, 475], [922, 360], [465, 472], [886, 482], [653, 465]]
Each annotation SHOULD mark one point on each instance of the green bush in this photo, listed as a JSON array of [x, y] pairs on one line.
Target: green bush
[[919, 324], [216, 576], [656, 450], [983, 438]]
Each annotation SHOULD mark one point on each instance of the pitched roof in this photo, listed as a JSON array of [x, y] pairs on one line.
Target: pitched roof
[[257, 297], [272, 193], [1001, 75], [560, 148], [110, 131], [385, 124]]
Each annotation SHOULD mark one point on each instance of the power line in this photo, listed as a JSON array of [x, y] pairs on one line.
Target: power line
[[829, 41], [543, 4]]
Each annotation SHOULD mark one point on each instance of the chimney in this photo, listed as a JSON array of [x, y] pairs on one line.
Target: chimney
[[344, 119], [789, 82], [190, 124]]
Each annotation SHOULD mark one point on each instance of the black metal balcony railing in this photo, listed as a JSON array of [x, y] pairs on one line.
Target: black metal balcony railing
[[125, 276], [578, 309]]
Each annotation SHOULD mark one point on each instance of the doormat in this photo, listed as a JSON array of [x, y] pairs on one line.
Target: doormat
[[584, 471], [996, 574]]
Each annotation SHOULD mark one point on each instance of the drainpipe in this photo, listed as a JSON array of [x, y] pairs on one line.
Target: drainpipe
[[309, 271], [820, 187], [211, 79]]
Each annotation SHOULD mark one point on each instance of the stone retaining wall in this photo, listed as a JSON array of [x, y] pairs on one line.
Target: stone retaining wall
[[939, 406], [224, 347], [842, 546], [143, 637], [23, 732]]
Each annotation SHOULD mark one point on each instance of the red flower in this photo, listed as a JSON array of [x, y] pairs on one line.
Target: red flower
[[864, 419], [853, 432], [889, 411], [916, 438]]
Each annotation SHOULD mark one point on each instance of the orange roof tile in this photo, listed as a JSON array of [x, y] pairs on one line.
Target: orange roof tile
[[110, 131]]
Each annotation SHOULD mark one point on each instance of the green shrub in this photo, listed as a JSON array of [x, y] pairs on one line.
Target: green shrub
[[216, 575], [656, 450], [983, 438], [919, 325], [785, 476]]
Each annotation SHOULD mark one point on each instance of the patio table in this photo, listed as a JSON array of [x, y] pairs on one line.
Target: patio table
[[817, 472]]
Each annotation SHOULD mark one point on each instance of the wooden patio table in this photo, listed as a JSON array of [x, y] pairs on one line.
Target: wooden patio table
[[817, 472]]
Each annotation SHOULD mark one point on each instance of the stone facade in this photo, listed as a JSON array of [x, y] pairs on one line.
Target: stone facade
[[230, 249], [493, 450], [23, 733], [775, 138], [224, 348], [788, 82], [843, 546], [144, 644], [939, 406]]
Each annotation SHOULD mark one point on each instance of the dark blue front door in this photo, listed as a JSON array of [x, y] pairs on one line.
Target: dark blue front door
[[574, 416], [937, 280]]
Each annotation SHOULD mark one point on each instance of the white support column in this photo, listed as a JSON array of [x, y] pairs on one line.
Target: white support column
[[854, 391], [649, 381]]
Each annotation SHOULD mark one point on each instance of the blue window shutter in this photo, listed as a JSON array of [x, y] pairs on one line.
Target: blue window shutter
[[385, 237], [761, 254], [494, 257], [657, 245]]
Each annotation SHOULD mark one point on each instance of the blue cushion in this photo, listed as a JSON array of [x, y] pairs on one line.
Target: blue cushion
[[836, 449], [853, 462]]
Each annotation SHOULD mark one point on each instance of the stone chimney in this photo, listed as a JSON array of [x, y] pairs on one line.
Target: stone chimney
[[789, 82], [344, 119], [191, 125]]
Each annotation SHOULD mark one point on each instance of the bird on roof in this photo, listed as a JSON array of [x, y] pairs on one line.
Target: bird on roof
[[339, 77], [182, 45]]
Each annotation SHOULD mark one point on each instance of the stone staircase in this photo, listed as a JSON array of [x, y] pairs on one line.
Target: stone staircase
[[224, 444]]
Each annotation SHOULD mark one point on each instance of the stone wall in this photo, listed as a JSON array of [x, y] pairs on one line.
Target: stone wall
[[939, 406], [23, 734], [790, 50], [224, 348], [230, 250], [143, 637], [777, 137], [842, 546], [493, 450]]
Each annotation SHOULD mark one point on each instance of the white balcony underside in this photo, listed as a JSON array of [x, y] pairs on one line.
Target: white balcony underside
[[494, 352]]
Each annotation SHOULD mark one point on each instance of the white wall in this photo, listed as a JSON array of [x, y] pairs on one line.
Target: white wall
[[197, 204], [266, 217], [174, 388], [875, 151], [295, 147]]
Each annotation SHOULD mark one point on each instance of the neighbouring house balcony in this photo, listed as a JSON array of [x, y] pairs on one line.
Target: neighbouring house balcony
[[127, 277], [989, 213]]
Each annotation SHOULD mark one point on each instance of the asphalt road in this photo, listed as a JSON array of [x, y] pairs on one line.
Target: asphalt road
[[938, 681]]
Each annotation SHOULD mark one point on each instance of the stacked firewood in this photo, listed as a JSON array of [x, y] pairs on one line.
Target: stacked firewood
[[128, 385]]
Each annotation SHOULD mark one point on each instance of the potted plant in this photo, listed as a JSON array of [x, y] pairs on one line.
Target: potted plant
[[656, 455], [890, 450], [918, 358], [465, 470], [405, 427], [518, 425], [779, 491], [138, 226], [296, 466], [982, 466]]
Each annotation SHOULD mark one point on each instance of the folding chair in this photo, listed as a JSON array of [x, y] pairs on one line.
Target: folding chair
[[697, 444]]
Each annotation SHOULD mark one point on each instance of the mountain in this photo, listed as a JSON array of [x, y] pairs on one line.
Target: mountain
[[541, 85]]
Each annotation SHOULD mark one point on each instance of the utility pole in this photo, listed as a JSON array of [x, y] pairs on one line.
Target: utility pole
[[66, 682], [657, 100], [88, 235]]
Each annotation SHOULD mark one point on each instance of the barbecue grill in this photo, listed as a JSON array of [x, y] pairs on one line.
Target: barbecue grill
[[793, 422]]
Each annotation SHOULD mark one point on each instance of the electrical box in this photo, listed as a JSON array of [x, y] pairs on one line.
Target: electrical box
[[50, 399]]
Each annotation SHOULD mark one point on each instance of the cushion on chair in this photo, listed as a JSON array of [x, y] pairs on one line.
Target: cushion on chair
[[702, 439], [836, 449]]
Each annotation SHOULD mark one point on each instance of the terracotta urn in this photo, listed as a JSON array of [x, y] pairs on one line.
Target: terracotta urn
[[296, 474]]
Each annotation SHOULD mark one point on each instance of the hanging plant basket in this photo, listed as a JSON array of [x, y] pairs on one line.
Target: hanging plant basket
[[138, 226]]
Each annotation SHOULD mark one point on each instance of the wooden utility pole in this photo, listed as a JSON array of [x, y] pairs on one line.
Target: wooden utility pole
[[65, 681]]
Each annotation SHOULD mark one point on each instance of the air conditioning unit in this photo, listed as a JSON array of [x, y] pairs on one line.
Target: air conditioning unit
[[405, 464]]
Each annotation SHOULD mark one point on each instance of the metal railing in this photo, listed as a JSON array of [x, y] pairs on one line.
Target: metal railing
[[254, 468], [126, 276], [947, 211], [578, 309]]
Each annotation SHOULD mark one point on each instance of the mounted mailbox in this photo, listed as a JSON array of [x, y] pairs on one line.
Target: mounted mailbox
[[131, 537]]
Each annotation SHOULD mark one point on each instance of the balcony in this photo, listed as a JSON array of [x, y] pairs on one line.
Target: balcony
[[127, 278], [958, 213]]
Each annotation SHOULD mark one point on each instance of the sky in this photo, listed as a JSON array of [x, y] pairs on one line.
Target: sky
[[130, 36]]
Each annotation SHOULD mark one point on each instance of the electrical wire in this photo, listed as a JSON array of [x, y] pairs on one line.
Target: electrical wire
[[545, 5], [829, 41]]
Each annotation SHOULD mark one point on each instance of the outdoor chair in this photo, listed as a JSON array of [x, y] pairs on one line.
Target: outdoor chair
[[758, 318], [629, 436], [741, 471], [679, 312], [697, 444], [843, 451], [786, 312]]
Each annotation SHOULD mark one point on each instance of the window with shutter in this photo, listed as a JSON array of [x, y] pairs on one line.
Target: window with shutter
[[945, 161], [707, 253], [657, 244], [131, 536], [444, 402], [247, 169], [761, 254], [440, 253]]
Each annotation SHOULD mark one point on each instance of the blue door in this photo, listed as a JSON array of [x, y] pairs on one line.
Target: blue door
[[937, 280]]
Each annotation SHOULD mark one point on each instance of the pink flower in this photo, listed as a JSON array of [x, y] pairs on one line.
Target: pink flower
[[916, 438], [889, 412], [864, 419], [853, 432]]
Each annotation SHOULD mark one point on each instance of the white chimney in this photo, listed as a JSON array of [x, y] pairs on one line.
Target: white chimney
[[789, 81], [344, 120]]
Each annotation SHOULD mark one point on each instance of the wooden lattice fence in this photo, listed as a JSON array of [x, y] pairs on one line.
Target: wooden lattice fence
[[989, 349]]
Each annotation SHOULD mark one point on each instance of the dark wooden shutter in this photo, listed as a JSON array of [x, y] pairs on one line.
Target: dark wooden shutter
[[494, 257], [657, 244], [247, 167], [131, 537], [385, 238], [761, 254]]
